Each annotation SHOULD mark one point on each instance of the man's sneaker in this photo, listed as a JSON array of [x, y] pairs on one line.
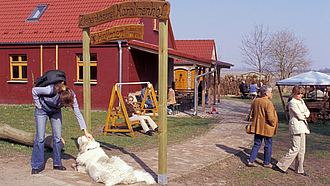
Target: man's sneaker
[[59, 167], [35, 171]]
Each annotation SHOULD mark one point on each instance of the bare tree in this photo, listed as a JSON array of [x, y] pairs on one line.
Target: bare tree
[[254, 47], [286, 54]]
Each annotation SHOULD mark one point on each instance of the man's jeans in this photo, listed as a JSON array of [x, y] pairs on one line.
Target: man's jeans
[[149, 103], [267, 148], [37, 159]]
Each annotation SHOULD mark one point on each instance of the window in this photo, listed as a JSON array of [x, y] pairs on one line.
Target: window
[[93, 66], [36, 14], [18, 67]]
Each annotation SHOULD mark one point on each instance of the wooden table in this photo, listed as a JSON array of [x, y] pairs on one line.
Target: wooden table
[[317, 108]]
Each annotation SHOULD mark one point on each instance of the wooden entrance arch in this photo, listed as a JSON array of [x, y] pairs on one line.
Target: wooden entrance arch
[[133, 9]]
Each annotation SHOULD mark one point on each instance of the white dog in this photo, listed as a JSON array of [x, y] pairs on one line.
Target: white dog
[[93, 161]]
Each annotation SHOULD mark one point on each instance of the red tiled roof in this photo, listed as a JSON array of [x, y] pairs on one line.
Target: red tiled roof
[[59, 23], [201, 48]]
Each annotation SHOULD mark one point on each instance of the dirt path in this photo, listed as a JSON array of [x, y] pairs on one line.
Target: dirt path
[[226, 138]]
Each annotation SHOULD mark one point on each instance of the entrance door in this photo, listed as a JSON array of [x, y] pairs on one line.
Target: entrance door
[[181, 79]]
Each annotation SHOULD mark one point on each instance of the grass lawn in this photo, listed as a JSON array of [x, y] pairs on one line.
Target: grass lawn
[[22, 117]]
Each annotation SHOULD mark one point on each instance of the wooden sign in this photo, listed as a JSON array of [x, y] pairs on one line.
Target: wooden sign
[[131, 31], [128, 9]]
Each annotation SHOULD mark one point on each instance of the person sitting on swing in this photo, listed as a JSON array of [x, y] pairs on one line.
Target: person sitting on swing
[[148, 99], [134, 116]]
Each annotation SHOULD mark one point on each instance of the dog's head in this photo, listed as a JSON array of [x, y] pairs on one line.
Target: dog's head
[[85, 144]]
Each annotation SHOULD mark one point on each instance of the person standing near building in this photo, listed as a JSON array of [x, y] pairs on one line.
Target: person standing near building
[[48, 101], [298, 127], [264, 126]]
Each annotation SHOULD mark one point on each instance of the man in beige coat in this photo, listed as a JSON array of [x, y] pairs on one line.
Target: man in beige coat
[[264, 125]]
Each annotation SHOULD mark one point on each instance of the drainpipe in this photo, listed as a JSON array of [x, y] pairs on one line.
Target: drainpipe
[[120, 64], [195, 88]]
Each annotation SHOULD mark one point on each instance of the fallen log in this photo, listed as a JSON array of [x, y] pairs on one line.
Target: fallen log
[[9, 133]]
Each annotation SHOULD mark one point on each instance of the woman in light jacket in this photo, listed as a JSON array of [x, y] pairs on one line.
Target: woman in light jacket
[[298, 127]]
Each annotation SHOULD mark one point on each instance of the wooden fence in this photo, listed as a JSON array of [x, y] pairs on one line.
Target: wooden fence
[[229, 85]]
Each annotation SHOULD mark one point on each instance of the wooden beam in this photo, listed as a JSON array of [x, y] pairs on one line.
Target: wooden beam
[[203, 92], [209, 88], [215, 87], [9, 133], [279, 90], [219, 78], [162, 89], [86, 79], [196, 84]]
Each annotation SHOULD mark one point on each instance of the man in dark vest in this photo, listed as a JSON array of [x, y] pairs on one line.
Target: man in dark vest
[[243, 88]]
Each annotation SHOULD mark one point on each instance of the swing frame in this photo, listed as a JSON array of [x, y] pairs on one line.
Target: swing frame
[[121, 112]]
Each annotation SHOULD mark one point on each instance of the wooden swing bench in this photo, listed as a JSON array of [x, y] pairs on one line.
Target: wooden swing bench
[[118, 126], [115, 113]]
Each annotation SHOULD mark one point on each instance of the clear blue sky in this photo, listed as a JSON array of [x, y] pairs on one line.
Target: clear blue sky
[[227, 21]]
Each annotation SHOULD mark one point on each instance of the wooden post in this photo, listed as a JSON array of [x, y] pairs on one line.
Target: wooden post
[[215, 87], [209, 88], [189, 79], [86, 78], [196, 93], [195, 74], [203, 92], [162, 89], [219, 92], [279, 90]]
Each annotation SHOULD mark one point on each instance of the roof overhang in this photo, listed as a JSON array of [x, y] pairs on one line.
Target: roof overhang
[[195, 60]]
